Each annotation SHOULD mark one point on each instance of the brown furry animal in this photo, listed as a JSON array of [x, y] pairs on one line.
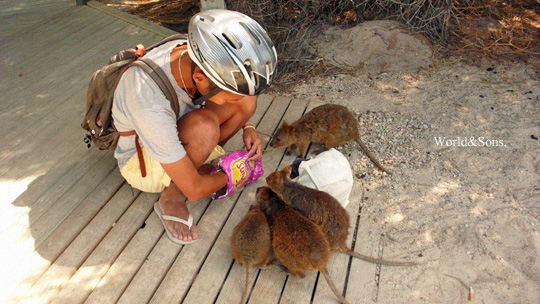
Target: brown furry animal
[[331, 125], [323, 209], [298, 243], [251, 242]]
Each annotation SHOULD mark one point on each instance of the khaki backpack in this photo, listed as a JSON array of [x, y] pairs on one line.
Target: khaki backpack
[[98, 122]]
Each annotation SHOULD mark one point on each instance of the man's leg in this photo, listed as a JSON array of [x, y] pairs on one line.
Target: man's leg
[[200, 131]]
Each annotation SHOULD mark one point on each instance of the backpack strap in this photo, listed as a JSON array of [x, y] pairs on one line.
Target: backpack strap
[[159, 77], [142, 165], [168, 39]]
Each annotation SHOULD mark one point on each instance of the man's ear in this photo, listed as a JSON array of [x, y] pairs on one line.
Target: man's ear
[[199, 76]]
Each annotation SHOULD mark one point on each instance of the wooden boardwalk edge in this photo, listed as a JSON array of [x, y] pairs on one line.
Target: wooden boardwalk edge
[[135, 20]]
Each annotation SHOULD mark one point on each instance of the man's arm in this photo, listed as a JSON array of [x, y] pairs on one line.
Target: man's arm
[[192, 184]]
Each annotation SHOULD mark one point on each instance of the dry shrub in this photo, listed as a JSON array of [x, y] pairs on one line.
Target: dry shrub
[[293, 23], [474, 28], [496, 29]]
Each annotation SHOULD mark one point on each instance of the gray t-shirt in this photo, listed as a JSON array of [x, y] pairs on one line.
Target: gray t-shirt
[[140, 105]]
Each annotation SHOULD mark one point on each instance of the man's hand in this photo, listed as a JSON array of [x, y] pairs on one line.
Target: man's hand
[[253, 144], [239, 171]]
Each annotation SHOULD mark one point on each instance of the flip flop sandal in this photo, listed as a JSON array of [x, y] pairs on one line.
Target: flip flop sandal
[[163, 218]]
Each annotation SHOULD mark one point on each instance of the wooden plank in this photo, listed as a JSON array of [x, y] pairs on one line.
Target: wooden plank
[[32, 148], [58, 19], [179, 277], [98, 263], [43, 101], [78, 220], [87, 34], [269, 283], [39, 149], [42, 225], [83, 63], [18, 16], [77, 58], [50, 186], [115, 282], [299, 290], [61, 23], [159, 261], [362, 286], [156, 266], [44, 43], [64, 21], [88, 54], [31, 265], [73, 257], [37, 230], [338, 265], [8, 168]]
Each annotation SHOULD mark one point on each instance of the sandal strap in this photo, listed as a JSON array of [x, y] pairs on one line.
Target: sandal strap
[[188, 223]]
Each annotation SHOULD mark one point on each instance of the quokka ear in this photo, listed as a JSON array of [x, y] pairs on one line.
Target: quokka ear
[[252, 207], [263, 193], [288, 129], [287, 170], [270, 179]]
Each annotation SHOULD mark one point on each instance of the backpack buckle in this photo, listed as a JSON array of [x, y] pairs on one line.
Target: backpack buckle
[[139, 51], [88, 140]]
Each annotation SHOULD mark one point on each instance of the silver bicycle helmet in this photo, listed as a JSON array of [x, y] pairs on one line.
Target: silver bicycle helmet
[[233, 50]]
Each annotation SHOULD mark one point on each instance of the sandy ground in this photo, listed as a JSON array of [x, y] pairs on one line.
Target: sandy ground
[[463, 144]]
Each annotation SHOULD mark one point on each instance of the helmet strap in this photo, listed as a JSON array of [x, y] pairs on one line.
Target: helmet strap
[[203, 99]]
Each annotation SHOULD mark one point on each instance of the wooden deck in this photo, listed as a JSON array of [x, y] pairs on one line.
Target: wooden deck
[[72, 230]]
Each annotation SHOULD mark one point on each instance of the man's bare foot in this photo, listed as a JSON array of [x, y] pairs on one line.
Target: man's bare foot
[[177, 207]]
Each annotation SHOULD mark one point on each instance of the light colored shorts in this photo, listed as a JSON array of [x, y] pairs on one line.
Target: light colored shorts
[[156, 180]]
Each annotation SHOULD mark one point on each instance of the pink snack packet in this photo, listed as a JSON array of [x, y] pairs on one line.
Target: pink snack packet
[[239, 171]]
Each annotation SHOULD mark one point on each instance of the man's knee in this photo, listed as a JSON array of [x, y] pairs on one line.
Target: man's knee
[[200, 124]]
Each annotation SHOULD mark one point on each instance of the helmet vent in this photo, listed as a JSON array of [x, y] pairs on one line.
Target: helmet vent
[[250, 33], [206, 19], [249, 65], [232, 42]]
